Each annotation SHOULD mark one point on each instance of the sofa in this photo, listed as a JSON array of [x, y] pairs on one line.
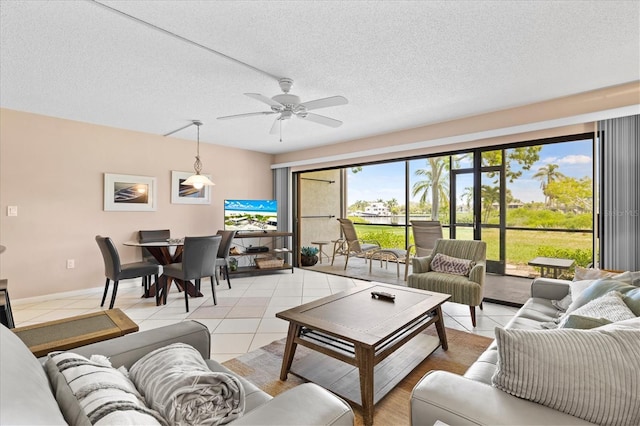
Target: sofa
[[475, 399], [27, 396]]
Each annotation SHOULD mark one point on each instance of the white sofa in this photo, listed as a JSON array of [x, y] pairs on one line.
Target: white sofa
[[473, 400]]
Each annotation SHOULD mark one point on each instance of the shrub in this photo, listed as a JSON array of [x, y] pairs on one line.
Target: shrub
[[309, 251]]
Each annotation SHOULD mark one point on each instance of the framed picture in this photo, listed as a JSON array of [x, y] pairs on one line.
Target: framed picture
[[128, 193], [187, 194]]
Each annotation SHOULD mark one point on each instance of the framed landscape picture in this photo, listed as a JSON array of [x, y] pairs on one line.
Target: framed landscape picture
[[129, 193], [187, 194]]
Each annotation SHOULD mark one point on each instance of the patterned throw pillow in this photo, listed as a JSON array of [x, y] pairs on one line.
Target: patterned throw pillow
[[451, 265], [91, 391], [590, 374], [611, 307]]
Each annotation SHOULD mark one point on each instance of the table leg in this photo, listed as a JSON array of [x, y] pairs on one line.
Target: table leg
[[364, 361], [442, 334], [289, 349]]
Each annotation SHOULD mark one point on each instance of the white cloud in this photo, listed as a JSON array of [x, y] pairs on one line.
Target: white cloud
[[575, 159]]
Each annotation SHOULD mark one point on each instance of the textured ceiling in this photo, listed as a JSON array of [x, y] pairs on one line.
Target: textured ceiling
[[400, 64]]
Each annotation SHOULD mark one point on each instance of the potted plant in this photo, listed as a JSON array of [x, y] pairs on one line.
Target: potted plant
[[308, 256]]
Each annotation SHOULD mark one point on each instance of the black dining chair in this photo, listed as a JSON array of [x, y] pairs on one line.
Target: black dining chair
[[152, 236], [198, 261], [116, 271], [222, 260]]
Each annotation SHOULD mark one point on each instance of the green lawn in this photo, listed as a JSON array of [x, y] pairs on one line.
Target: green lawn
[[521, 246]]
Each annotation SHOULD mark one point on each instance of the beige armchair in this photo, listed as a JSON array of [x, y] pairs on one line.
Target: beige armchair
[[467, 290]]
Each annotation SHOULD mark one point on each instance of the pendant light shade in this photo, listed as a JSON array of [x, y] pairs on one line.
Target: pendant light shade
[[197, 180]]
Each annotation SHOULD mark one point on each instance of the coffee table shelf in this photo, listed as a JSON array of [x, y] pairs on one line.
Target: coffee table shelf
[[344, 379]]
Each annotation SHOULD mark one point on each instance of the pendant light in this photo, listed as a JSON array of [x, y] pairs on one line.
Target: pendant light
[[197, 180]]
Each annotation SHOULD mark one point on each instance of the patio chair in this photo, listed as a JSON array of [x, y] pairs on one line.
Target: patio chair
[[464, 287], [425, 234], [350, 245]]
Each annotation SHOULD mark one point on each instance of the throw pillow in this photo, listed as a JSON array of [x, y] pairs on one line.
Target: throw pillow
[[591, 273], [583, 323], [451, 265], [630, 293], [589, 374], [91, 391], [610, 307], [177, 382]]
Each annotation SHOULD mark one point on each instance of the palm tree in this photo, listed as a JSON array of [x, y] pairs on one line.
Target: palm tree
[[546, 175], [432, 185]]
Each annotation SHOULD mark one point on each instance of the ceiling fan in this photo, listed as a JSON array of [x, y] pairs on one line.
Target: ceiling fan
[[288, 105]]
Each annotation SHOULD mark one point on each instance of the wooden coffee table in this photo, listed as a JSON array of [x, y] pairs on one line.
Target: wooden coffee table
[[80, 330], [364, 346]]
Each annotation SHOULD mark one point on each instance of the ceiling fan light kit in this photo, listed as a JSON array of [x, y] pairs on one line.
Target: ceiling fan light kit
[[288, 105], [197, 180]]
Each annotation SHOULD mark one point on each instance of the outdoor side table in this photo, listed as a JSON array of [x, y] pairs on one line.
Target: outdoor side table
[[551, 264], [320, 250]]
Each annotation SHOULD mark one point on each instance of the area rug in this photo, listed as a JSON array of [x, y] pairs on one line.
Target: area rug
[[262, 367]]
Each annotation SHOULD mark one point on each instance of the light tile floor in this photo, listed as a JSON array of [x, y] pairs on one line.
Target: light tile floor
[[244, 318]]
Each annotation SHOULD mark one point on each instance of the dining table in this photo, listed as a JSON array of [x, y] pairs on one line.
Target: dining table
[[167, 252]]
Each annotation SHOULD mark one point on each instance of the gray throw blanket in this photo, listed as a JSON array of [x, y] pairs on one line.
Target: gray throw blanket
[[176, 382]]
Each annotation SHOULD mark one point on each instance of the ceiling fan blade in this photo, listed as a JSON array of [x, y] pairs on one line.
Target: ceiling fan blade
[[262, 98], [325, 102], [249, 114], [321, 119]]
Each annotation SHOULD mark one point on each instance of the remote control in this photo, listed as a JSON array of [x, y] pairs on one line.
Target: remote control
[[383, 295]]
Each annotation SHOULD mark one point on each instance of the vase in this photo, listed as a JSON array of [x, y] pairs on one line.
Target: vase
[[308, 260]]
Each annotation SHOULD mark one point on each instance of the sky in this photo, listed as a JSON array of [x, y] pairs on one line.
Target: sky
[[386, 181]]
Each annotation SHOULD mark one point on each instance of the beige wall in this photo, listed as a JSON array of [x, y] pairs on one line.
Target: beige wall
[[52, 169], [544, 118], [319, 198]]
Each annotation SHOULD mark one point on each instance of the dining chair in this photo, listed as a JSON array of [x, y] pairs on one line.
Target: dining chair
[[115, 271], [6, 316], [222, 260], [152, 236], [198, 261]]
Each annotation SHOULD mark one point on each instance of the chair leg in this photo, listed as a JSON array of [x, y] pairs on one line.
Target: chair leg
[[481, 306], [186, 296], [113, 294], [147, 284], [347, 261], [213, 291], [165, 285], [226, 274], [158, 290], [104, 295], [473, 315], [9, 313]]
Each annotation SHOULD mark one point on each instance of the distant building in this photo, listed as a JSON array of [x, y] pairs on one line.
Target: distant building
[[376, 209]]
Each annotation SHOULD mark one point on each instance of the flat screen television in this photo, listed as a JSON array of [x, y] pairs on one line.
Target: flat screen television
[[250, 215]]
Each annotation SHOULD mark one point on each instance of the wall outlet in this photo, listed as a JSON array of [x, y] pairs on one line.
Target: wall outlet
[[71, 263], [12, 210]]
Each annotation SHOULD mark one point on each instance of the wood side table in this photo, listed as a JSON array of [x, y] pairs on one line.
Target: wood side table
[[320, 250], [80, 330]]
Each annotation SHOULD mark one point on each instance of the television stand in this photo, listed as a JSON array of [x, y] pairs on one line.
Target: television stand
[[264, 262]]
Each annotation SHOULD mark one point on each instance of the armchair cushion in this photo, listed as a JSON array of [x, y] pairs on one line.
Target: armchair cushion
[[451, 265]]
